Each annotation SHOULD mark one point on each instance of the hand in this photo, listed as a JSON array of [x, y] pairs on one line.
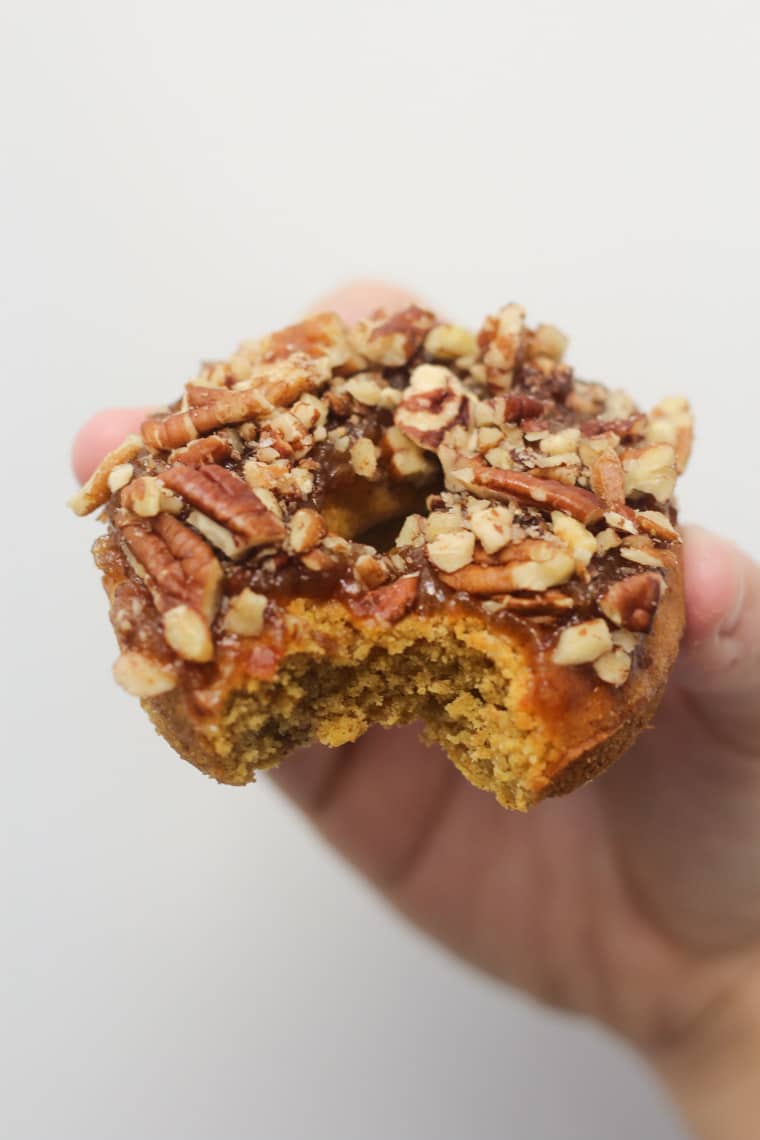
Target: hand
[[637, 899]]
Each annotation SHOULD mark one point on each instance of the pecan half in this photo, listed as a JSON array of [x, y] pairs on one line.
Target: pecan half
[[225, 498], [212, 449], [546, 493], [388, 603], [632, 602]]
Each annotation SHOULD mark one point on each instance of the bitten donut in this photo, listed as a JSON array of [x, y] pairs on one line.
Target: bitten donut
[[399, 520]]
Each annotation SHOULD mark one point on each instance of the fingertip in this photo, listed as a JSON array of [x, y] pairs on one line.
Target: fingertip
[[714, 584], [99, 435], [358, 298]]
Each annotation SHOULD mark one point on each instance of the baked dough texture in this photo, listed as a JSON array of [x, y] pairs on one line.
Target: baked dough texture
[[392, 522]]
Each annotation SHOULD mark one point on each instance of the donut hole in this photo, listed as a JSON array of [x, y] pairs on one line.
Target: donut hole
[[374, 513]]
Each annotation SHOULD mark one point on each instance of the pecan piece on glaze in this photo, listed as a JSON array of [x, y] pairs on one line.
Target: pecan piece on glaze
[[501, 341], [632, 602], [200, 396], [182, 427], [181, 567], [96, 490], [227, 499], [547, 493], [392, 340], [548, 602], [434, 402], [629, 429], [503, 579], [387, 603], [607, 479], [212, 449]]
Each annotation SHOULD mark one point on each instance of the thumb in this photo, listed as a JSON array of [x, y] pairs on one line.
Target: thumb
[[719, 668]]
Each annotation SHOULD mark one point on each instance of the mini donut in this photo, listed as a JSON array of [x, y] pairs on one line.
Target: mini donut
[[395, 521]]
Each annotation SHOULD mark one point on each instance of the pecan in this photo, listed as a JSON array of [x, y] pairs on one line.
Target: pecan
[[245, 613], [180, 566], [519, 407], [531, 575], [182, 427], [449, 342], [657, 524], [548, 602], [433, 403], [142, 676], [629, 429], [500, 341], [632, 602], [364, 457], [370, 571], [672, 422], [407, 459], [580, 541], [546, 493], [451, 550], [545, 340], [96, 491], [307, 527], [200, 396], [388, 603], [212, 449], [323, 335], [650, 470], [225, 498], [582, 643], [119, 477], [613, 667], [188, 633], [607, 478], [392, 340], [493, 528], [147, 497]]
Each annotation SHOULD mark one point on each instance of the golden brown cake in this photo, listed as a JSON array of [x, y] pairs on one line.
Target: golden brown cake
[[400, 520]]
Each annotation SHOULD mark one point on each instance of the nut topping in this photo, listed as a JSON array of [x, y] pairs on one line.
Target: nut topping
[[226, 498], [307, 528], [96, 491], [245, 614], [142, 676], [582, 643], [632, 602], [547, 493], [388, 603], [188, 634], [433, 403], [451, 551]]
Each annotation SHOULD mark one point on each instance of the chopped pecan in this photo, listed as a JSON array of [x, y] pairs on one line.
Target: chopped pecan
[[451, 550], [548, 602], [613, 667], [582, 643], [188, 634], [546, 340], [212, 449], [607, 479], [143, 676], [632, 602], [182, 427], [650, 470], [500, 341], [96, 491], [245, 613], [629, 429], [449, 342], [147, 497], [392, 340], [226, 498], [323, 335], [672, 422], [370, 571], [120, 476], [657, 524], [200, 396], [364, 457], [434, 401], [307, 527], [493, 528], [388, 603], [546, 493], [575, 535], [504, 579]]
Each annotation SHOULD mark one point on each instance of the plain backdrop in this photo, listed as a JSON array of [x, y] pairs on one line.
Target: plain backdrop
[[184, 961]]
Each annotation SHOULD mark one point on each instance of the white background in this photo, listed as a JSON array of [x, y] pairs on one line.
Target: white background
[[180, 960]]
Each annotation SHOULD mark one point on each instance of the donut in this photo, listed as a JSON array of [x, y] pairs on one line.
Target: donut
[[396, 521]]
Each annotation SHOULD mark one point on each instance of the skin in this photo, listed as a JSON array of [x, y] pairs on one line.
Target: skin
[[636, 900]]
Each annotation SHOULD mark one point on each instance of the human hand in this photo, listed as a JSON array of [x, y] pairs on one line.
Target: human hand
[[637, 899]]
